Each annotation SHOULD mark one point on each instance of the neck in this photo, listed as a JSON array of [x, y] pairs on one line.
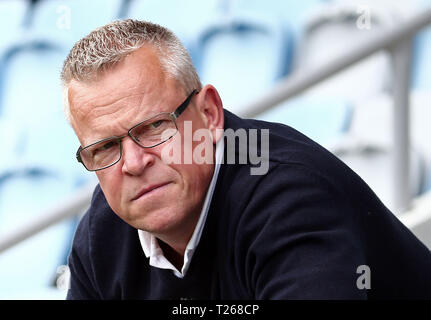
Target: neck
[[174, 256], [174, 245]]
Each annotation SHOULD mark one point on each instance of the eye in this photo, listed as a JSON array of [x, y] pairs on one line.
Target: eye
[[156, 124], [104, 147], [108, 145]]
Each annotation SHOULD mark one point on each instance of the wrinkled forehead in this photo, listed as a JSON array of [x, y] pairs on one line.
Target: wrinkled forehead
[[135, 87], [138, 71]]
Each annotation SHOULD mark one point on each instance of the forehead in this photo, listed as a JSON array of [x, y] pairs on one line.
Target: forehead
[[122, 96]]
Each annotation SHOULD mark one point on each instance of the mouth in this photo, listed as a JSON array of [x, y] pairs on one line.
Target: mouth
[[149, 189]]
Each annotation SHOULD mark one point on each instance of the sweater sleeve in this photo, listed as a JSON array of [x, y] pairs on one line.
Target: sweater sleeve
[[297, 239], [82, 282]]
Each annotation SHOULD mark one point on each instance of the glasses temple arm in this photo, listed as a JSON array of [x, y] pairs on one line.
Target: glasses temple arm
[[184, 105]]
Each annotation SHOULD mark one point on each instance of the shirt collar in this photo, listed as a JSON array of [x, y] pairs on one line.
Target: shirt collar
[[149, 242]]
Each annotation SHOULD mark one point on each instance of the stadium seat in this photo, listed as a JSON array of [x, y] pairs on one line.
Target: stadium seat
[[373, 162], [69, 21], [372, 124], [335, 30], [322, 119], [243, 57], [29, 68], [421, 79], [323, 112], [291, 12], [11, 136], [12, 13], [185, 18]]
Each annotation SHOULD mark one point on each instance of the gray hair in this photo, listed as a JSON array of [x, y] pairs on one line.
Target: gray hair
[[109, 44]]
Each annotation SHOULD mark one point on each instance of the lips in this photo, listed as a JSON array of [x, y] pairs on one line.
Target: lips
[[149, 189]]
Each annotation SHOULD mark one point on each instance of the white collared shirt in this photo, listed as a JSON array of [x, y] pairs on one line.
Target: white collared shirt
[[149, 242]]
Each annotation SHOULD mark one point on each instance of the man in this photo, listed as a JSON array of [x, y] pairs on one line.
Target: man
[[307, 227]]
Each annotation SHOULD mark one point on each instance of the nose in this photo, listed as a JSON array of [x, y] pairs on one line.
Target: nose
[[135, 159]]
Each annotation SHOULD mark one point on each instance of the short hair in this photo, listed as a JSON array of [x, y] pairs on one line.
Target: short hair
[[107, 45]]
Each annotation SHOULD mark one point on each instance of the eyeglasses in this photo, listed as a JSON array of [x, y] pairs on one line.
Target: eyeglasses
[[148, 134]]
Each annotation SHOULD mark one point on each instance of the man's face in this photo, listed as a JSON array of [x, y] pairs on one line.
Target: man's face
[[122, 97]]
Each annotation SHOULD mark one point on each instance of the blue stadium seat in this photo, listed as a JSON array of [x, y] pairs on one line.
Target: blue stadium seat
[[29, 69], [421, 93], [243, 57], [12, 13], [69, 21], [321, 119], [421, 77], [292, 12], [12, 144], [185, 18]]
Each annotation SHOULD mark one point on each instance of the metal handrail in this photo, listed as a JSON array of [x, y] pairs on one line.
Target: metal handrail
[[76, 204], [397, 41]]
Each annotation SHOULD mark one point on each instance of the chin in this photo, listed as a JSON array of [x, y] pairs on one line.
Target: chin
[[160, 221]]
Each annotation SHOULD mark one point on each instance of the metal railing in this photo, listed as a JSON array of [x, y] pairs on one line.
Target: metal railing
[[76, 204], [397, 41]]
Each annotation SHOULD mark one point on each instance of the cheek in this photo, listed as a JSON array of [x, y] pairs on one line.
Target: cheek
[[110, 182], [195, 179]]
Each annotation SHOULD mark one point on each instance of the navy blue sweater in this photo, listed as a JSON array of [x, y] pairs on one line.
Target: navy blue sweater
[[299, 232]]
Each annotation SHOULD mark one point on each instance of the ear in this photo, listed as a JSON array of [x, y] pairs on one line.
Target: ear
[[210, 108]]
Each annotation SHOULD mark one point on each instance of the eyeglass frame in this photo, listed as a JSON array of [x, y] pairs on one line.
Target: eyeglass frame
[[174, 116]]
